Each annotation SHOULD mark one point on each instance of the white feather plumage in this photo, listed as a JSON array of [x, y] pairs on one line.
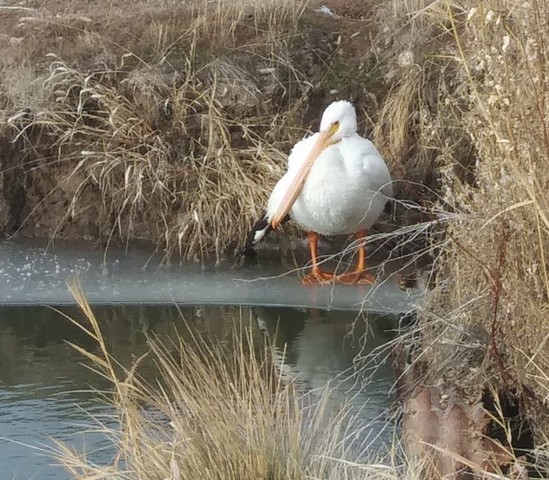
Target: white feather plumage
[[348, 185]]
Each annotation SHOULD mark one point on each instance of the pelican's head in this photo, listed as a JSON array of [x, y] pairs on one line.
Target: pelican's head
[[338, 121]]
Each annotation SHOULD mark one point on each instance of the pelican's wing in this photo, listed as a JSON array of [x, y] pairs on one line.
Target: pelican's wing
[[263, 226], [300, 151], [258, 232], [376, 169], [278, 193], [297, 156]]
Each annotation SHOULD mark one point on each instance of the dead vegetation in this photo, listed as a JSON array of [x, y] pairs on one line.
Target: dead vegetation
[[494, 265], [166, 124], [475, 102], [217, 410], [221, 408]]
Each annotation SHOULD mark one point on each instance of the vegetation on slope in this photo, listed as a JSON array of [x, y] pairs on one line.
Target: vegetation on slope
[[164, 123], [484, 325], [493, 272]]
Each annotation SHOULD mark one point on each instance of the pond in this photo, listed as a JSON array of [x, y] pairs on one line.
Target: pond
[[46, 392]]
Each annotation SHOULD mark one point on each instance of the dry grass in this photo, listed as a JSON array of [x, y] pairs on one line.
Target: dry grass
[[500, 243], [419, 130], [219, 411], [172, 133], [480, 112]]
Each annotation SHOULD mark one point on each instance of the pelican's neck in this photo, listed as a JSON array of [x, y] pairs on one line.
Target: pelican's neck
[[347, 136]]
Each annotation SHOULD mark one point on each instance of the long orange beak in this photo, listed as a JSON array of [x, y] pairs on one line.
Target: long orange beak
[[296, 186]]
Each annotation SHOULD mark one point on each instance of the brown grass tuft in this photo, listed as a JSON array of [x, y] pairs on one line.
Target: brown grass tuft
[[218, 411], [167, 134], [486, 322]]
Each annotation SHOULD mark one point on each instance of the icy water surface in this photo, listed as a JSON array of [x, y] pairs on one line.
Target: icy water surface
[[46, 393], [31, 275]]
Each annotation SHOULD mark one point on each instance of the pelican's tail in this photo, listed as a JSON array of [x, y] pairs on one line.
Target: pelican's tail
[[260, 229]]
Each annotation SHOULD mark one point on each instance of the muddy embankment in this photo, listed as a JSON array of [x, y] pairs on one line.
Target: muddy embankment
[[172, 124]]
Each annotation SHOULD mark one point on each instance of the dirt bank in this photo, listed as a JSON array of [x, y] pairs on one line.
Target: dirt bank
[[169, 124]]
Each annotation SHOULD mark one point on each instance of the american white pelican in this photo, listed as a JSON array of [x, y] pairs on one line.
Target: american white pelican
[[336, 183]]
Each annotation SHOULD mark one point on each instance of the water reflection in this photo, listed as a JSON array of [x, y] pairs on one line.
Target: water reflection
[[45, 391], [342, 348]]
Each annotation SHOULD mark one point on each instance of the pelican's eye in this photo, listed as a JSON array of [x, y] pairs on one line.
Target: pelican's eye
[[334, 128]]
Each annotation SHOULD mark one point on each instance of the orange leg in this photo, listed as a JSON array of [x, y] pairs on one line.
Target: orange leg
[[316, 275], [359, 275]]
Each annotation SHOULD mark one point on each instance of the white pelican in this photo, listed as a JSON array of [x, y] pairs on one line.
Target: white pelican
[[336, 183]]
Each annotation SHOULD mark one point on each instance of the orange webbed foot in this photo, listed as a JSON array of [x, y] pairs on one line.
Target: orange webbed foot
[[318, 277]]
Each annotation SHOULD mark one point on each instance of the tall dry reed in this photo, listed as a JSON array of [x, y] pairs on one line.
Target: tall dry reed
[[219, 411], [480, 112]]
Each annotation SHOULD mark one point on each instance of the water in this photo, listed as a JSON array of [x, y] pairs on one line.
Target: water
[[45, 390], [46, 393]]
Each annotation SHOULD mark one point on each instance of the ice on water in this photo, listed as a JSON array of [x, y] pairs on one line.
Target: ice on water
[[31, 274]]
